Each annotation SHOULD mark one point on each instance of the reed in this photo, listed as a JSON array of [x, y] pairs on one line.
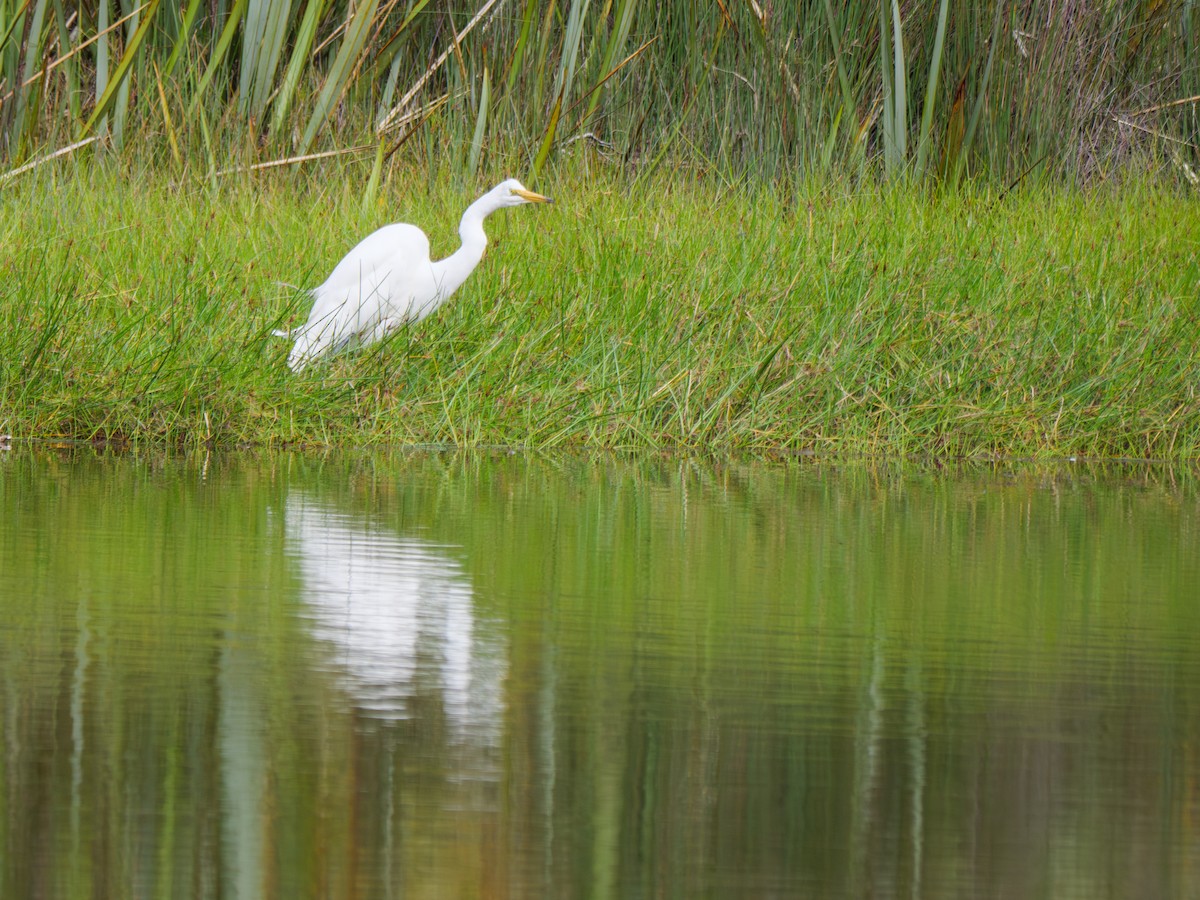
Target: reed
[[925, 90], [683, 314]]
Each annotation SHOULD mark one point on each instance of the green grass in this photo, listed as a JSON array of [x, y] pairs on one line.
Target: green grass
[[673, 313]]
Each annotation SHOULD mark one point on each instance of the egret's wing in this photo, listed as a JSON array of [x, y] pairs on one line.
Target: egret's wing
[[368, 283], [378, 280]]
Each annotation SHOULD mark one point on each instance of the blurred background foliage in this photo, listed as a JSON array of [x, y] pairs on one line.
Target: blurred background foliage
[[1079, 89]]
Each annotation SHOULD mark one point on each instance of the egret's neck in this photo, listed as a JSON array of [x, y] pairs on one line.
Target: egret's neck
[[454, 269]]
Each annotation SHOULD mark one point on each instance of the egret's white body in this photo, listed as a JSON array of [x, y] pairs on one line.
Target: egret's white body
[[388, 279]]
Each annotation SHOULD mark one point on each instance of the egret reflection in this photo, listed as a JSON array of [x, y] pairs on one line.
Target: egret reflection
[[397, 616]]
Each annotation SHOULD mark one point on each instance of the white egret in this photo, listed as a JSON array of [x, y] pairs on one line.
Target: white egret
[[388, 279]]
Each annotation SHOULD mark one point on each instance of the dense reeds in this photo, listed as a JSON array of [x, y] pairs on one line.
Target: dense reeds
[[678, 313], [1073, 88]]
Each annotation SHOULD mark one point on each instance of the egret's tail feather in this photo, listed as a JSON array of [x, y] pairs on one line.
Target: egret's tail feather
[[311, 346], [301, 354]]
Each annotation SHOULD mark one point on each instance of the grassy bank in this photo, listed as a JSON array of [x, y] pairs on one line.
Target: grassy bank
[[673, 313]]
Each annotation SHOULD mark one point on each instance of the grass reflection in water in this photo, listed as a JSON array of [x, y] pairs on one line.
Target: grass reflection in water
[[290, 676]]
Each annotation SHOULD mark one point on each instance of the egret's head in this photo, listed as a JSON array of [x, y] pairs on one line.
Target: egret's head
[[513, 193]]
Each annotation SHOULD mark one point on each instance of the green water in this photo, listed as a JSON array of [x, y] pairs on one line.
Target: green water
[[452, 676]]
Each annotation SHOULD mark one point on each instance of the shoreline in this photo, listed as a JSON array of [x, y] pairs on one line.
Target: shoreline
[[823, 320]]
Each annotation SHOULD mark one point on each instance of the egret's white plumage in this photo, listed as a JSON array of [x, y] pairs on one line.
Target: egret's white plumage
[[388, 279]]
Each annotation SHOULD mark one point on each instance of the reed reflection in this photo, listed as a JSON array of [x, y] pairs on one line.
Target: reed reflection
[[512, 678]]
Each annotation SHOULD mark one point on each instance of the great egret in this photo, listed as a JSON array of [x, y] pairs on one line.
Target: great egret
[[388, 279]]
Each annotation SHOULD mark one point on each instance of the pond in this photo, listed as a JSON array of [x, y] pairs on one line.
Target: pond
[[484, 675]]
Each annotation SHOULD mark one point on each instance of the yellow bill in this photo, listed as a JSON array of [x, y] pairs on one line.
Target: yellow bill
[[531, 196]]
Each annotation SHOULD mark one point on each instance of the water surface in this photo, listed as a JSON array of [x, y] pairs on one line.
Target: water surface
[[440, 675]]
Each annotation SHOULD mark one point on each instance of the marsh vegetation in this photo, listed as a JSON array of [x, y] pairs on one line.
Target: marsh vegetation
[[954, 229], [679, 315]]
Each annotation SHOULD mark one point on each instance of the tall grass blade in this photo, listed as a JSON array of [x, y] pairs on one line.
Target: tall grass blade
[[572, 38], [955, 129], [208, 149], [262, 46], [299, 61], [899, 87], [622, 24], [540, 65], [977, 111], [830, 141], [166, 113], [518, 53], [480, 126], [120, 108], [931, 89], [102, 60], [254, 26], [339, 72], [26, 113], [371, 194], [891, 158], [547, 139], [848, 102], [185, 34], [389, 86], [215, 62], [390, 57], [18, 19], [122, 70], [391, 47], [566, 75], [66, 58]]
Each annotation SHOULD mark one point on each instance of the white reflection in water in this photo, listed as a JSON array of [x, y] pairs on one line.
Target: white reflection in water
[[397, 613]]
